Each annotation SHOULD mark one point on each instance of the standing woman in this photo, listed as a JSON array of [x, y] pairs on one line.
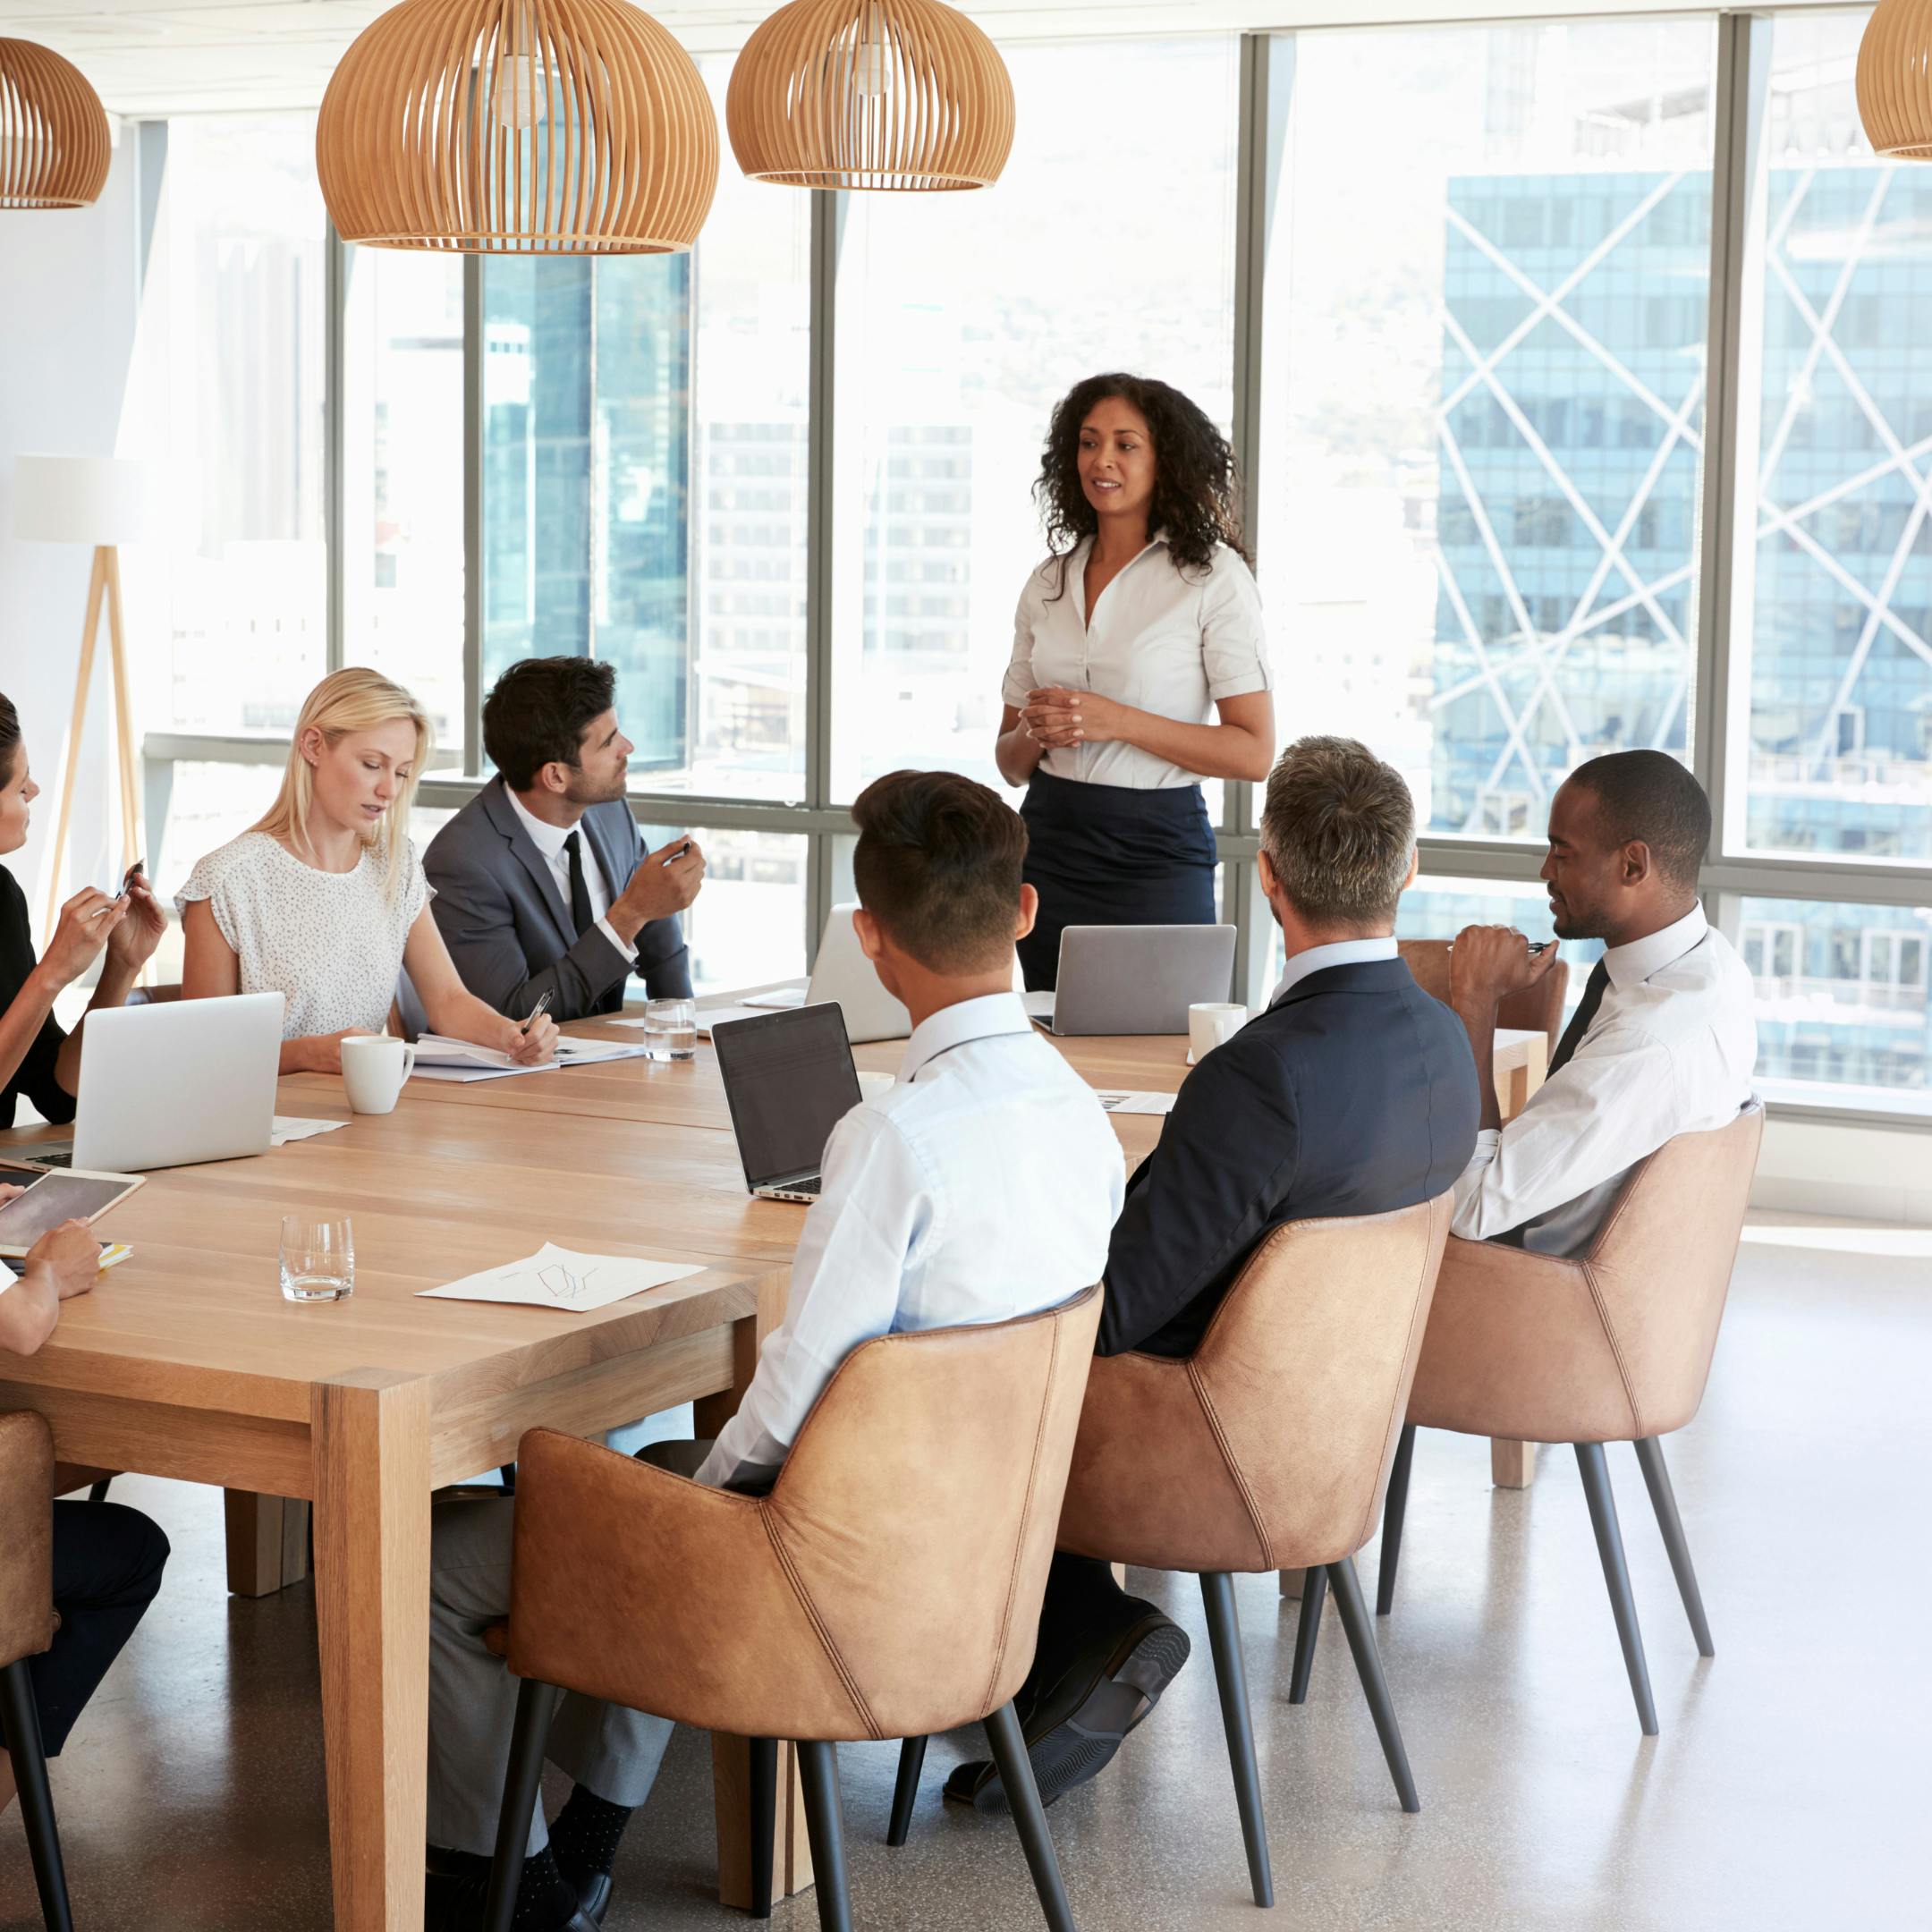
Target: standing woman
[[1139, 665]]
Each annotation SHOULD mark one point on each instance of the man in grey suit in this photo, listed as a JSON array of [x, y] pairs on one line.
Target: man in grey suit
[[542, 883]]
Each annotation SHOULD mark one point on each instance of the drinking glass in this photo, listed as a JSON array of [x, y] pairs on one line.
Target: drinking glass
[[318, 1258], [670, 1030]]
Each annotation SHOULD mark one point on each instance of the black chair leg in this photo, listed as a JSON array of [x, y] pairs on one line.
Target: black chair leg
[[1022, 1794], [1314, 1596], [1603, 1512], [23, 1719], [98, 1492], [1361, 1640], [535, 1704], [508, 1473], [1223, 1634], [1663, 1501], [818, 1772], [764, 1807], [1395, 1508], [905, 1792]]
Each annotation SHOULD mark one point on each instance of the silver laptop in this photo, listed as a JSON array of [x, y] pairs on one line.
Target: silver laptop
[[842, 974], [1135, 979], [168, 1085], [789, 1081]]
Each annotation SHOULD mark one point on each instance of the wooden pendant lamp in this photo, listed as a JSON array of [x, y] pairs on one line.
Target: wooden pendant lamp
[[517, 127], [1894, 80], [54, 144], [894, 94]]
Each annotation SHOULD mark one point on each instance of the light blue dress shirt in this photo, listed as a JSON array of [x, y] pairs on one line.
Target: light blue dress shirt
[[982, 1186], [1336, 953]]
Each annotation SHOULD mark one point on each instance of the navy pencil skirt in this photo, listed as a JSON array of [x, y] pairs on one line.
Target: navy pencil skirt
[[1109, 855]]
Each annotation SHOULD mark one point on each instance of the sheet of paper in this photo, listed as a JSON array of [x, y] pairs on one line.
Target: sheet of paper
[[574, 1052], [437, 1049], [1136, 1103], [557, 1277], [463, 1075], [290, 1127]]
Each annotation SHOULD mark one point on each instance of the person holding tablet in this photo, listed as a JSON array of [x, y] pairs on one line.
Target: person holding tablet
[[38, 1061], [324, 900], [1139, 665], [107, 1558]]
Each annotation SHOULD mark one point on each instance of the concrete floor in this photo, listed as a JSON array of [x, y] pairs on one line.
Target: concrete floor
[[1789, 1785]]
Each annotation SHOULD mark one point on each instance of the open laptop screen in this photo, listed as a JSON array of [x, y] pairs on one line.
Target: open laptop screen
[[789, 1079]]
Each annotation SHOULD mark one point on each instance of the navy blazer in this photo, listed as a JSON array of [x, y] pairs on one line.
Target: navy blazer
[[503, 917], [1355, 1094]]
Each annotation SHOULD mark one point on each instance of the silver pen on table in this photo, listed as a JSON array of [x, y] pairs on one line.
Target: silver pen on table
[[538, 1012]]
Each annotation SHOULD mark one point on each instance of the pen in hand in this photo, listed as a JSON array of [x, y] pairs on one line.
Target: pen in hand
[[538, 1012]]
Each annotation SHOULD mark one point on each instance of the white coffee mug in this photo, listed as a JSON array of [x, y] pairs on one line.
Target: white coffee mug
[[1209, 1022], [374, 1069]]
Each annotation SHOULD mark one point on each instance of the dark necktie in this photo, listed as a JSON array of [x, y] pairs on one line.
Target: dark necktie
[[579, 893], [1580, 1021]]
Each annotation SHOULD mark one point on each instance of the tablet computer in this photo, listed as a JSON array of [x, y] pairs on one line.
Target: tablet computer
[[55, 1198]]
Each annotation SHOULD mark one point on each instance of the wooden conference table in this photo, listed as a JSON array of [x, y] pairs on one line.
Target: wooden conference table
[[186, 1362]]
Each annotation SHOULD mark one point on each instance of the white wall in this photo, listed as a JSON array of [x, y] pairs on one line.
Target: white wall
[[68, 307]]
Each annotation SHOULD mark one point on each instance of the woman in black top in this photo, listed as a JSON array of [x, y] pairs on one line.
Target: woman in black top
[[36, 1058]]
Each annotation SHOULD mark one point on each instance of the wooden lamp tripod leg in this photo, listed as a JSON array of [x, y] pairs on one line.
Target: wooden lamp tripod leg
[[97, 585], [131, 849]]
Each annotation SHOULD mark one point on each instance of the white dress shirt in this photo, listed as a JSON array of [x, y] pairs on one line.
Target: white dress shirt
[[1670, 1051], [549, 841], [1336, 953], [1162, 638], [980, 1187]]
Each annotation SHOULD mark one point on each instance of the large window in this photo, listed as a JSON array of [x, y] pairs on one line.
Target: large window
[[1836, 687], [961, 320], [1483, 400]]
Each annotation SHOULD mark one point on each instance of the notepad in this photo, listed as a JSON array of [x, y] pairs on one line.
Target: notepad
[[557, 1277], [287, 1127], [1136, 1103]]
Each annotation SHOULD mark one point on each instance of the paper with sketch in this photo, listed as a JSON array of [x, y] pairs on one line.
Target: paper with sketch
[[1136, 1103], [557, 1277], [287, 1127]]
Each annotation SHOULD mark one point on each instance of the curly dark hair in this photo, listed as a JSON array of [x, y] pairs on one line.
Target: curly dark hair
[[1196, 490]]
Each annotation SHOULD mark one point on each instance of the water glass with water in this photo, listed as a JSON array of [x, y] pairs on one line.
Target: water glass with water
[[318, 1258], [670, 1030]]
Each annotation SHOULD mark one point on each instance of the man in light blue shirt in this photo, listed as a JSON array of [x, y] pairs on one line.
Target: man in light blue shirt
[[983, 1186]]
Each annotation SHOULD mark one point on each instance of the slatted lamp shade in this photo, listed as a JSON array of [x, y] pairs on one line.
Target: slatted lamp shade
[[1895, 79], [517, 127], [54, 144], [896, 94]]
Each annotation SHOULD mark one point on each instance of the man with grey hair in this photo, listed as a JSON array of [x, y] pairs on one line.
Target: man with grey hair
[[1354, 1093]]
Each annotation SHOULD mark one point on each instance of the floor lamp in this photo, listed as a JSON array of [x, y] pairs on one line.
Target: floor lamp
[[97, 500]]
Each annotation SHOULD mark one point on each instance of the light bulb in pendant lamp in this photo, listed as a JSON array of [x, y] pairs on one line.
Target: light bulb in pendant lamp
[[890, 94], [517, 127], [1894, 80], [54, 141]]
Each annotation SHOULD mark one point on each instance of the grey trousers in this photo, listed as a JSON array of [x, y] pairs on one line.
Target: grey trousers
[[472, 1697]]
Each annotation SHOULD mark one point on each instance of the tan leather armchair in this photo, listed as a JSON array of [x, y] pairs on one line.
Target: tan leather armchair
[[27, 1627], [1537, 1008], [1615, 1345], [889, 1585], [1268, 1448]]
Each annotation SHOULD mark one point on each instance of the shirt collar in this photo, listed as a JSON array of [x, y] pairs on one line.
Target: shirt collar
[[548, 839], [984, 1018], [1628, 965], [1336, 953]]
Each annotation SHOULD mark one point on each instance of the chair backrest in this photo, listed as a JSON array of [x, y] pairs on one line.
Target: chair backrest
[[1538, 1009], [916, 1512], [1661, 1262], [26, 1535], [1271, 1447]]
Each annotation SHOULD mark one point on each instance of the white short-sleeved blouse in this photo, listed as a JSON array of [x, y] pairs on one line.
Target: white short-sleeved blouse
[[1164, 638], [332, 942]]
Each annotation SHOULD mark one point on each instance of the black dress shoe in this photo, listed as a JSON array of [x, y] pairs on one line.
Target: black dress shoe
[[593, 1895], [1078, 1723], [455, 1904]]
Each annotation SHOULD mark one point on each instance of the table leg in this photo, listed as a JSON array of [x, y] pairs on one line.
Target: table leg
[[1512, 1464], [712, 1412], [1294, 1582], [267, 1542], [371, 1450], [731, 1781]]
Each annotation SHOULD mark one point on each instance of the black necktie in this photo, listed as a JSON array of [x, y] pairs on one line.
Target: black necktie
[[579, 893], [1580, 1021]]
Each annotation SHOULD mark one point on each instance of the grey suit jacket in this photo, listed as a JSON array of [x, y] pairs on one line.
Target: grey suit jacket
[[504, 918]]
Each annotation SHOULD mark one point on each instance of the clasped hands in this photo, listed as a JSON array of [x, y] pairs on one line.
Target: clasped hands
[[1057, 717], [1486, 963]]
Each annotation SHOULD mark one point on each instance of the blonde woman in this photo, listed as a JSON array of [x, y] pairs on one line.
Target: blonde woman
[[324, 900]]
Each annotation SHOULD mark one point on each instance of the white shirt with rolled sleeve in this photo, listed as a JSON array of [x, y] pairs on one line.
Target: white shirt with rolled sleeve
[[982, 1186], [550, 841], [1670, 1051], [1164, 638]]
